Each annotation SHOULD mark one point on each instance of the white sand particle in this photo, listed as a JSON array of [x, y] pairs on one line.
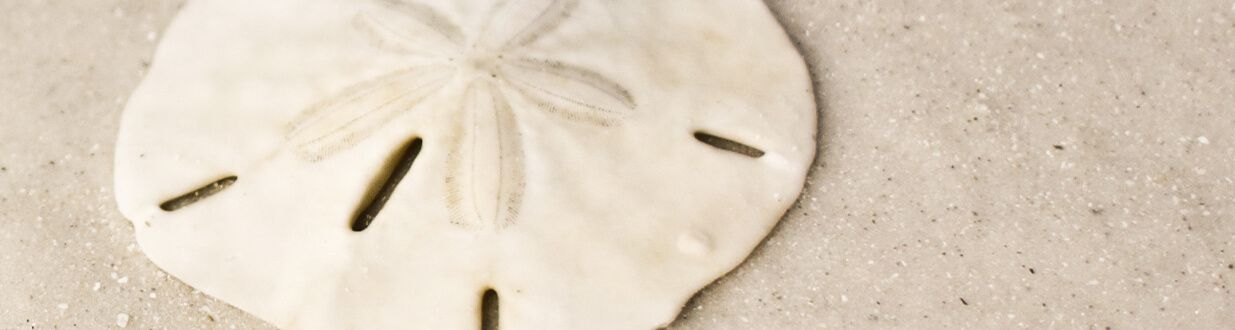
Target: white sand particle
[[122, 320]]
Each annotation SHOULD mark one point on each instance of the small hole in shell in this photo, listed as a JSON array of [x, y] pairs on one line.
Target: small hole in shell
[[489, 310], [198, 194], [728, 145], [401, 165]]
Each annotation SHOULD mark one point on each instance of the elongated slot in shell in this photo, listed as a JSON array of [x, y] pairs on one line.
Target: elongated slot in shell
[[728, 145], [198, 194], [489, 310], [385, 188]]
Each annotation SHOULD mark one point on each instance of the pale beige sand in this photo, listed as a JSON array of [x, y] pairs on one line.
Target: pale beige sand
[[1031, 164]]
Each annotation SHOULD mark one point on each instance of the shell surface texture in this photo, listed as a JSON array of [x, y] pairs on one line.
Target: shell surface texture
[[385, 164]]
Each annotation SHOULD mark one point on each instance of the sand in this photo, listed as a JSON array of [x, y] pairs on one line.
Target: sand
[[982, 165]]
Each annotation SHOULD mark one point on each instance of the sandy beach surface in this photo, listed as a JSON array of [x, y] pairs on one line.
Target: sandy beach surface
[[982, 164]]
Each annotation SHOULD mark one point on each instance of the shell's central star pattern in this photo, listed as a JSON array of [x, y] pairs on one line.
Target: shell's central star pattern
[[481, 66], [483, 190]]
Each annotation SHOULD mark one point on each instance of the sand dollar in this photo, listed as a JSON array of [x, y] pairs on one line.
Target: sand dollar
[[384, 164]]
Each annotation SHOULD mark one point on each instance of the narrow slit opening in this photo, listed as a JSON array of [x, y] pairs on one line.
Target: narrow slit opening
[[728, 145], [197, 195], [489, 310], [399, 167]]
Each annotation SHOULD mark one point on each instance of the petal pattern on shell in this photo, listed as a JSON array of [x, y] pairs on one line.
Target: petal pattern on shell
[[484, 181], [412, 27], [570, 91], [348, 117], [533, 20]]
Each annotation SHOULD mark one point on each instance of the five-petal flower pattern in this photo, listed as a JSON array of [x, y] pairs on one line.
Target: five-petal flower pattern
[[493, 68]]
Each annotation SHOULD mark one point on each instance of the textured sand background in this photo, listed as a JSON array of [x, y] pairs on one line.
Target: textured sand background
[[1043, 164]]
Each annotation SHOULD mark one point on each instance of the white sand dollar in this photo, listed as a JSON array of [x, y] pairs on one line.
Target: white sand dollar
[[344, 164]]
